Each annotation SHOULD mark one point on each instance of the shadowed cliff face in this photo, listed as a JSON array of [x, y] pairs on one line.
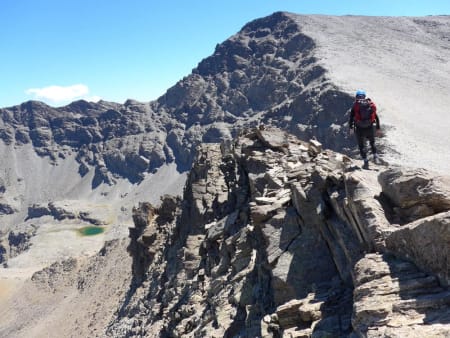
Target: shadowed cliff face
[[275, 237]]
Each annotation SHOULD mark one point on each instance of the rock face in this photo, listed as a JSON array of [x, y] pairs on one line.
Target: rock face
[[113, 139], [5, 207], [276, 237], [72, 210], [415, 193]]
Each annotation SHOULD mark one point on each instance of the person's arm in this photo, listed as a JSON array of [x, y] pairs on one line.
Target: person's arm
[[351, 122], [377, 122], [374, 110]]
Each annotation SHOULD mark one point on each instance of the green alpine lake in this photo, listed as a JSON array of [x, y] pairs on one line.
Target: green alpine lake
[[90, 230]]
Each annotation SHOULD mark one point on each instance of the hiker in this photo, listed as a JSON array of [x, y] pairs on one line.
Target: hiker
[[363, 116]]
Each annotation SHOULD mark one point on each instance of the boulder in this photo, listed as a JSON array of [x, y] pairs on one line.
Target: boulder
[[415, 193], [38, 210], [426, 242], [19, 240], [7, 209]]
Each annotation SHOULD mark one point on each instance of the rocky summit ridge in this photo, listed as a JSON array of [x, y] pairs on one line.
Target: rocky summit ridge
[[278, 237], [279, 233], [265, 73], [110, 153], [273, 237], [278, 70]]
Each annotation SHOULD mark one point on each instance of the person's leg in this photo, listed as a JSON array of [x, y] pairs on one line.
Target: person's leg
[[371, 137], [361, 143]]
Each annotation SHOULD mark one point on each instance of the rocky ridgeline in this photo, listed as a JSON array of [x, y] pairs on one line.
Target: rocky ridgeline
[[266, 73], [114, 140], [276, 237]]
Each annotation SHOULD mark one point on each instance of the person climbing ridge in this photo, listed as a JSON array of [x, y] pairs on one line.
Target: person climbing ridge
[[363, 116]]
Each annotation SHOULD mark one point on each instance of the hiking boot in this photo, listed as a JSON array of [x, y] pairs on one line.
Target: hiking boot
[[376, 159], [366, 164]]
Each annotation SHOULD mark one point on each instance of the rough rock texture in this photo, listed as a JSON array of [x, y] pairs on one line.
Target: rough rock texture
[[392, 298], [415, 193], [427, 243], [276, 237]]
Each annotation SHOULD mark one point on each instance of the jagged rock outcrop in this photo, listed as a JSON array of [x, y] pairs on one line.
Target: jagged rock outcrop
[[276, 237], [72, 210], [15, 242], [266, 73]]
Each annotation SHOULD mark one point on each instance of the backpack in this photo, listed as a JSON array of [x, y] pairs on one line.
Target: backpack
[[364, 116]]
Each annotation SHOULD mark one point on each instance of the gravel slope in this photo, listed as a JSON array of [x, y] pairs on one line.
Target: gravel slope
[[403, 64]]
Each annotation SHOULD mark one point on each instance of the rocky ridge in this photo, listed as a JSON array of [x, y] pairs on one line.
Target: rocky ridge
[[104, 152], [239, 254], [273, 71], [277, 237], [265, 73]]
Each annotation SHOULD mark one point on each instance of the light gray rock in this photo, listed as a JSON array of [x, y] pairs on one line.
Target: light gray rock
[[364, 210], [415, 193], [392, 295], [426, 242]]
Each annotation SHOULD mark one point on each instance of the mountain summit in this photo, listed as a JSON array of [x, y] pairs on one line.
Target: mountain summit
[[241, 237]]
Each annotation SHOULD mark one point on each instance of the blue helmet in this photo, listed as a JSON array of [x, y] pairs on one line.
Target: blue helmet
[[360, 93]]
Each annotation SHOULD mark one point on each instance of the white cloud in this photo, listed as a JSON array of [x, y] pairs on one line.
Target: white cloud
[[59, 94], [94, 98]]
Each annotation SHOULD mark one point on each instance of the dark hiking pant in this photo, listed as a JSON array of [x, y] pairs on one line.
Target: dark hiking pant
[[363, 134]]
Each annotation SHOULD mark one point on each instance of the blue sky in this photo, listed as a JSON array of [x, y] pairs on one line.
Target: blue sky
[[58, 51]]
